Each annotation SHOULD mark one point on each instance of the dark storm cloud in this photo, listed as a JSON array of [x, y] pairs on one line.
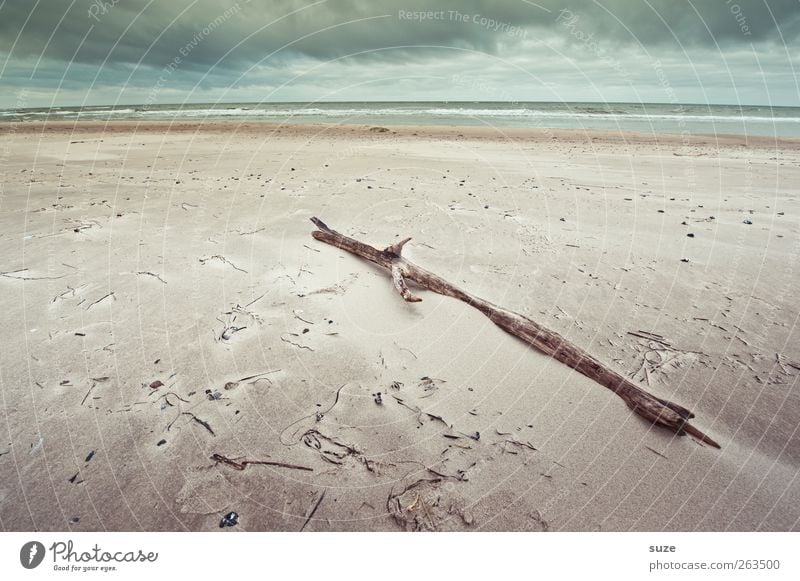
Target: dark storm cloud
[[191, 44], [130, 31]]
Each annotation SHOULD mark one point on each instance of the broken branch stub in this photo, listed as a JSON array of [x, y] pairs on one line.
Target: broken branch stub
[[653, 409]]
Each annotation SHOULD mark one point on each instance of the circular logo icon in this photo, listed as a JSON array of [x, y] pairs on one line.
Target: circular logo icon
[[31, 554]]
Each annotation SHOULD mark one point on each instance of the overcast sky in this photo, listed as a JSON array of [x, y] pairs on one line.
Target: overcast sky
[[95, 52]]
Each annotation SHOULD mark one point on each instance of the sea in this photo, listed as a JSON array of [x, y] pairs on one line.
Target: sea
[[641, 117]]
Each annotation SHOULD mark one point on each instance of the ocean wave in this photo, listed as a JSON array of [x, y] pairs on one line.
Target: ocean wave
[[461, 112], [634, 116], [68, 112]]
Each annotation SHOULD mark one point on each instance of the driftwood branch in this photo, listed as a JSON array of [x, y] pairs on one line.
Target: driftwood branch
[[653, 409]]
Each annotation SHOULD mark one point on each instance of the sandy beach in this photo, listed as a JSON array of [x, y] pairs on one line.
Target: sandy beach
[[176, 346]]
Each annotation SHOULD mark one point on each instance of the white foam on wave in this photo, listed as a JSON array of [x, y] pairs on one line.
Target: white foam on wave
[[425, 115]]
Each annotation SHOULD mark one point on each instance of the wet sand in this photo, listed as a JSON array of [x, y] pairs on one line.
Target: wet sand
[[167, 317]]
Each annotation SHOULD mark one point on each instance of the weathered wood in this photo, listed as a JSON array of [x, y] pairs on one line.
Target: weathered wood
[[653, 409]]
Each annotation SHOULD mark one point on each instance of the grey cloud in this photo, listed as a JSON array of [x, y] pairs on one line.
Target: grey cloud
[[221, 44], [155, 32]]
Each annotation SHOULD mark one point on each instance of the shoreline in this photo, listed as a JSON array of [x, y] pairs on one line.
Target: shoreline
[[407, 131]]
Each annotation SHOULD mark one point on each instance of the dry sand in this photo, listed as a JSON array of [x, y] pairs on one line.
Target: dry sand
[[162, 301]]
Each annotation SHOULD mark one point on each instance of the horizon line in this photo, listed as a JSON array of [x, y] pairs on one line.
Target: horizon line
[[303, 102]]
